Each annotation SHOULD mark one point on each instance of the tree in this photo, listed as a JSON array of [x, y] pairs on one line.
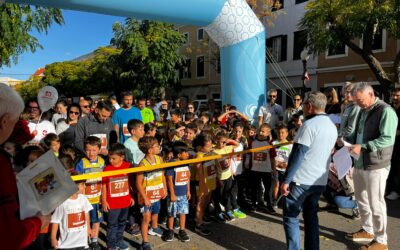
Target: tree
[[17, 21], [332, 23], [150, 58]]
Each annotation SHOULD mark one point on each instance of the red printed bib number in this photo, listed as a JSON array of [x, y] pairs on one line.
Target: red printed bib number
[[125, 130], [155, 193], [260, 156], [119, 187], [211, 171], [182, 176], [76, 221], [92, 189]]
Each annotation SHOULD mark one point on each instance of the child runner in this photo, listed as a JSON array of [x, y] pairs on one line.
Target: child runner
[[152, 188], [281, 159], [261, 167], [116, 197], [92, 163], [225, 194], [52, 142], [178, 180], [71, 219], [206, 177]]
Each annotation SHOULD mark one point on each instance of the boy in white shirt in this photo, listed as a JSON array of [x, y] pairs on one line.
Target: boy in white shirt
[[72, 219]]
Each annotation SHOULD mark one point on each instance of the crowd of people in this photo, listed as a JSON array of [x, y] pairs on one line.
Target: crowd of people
[[106, 135]]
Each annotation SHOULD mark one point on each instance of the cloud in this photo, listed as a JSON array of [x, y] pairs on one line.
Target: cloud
[[67, 53]]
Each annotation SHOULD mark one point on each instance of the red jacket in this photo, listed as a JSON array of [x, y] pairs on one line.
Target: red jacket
[[14, 233]]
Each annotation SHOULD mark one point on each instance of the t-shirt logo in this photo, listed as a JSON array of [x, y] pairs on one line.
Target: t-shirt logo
[[260, 156]]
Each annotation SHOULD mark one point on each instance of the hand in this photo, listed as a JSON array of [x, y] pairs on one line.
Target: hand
[[34, 132], [103, 151], [285, 189], [173, 197], [188, 196], [54, 243], [355, 149], [339, 142], [147, 202], [132, 202], [45, 219], [89, 232], [105, 206], [165, 193]]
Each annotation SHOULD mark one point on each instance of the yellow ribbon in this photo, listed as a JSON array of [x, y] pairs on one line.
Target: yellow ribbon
[[171, 164]]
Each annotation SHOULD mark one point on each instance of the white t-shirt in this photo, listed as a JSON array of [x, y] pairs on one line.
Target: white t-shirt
[[271, 114], [319, 134], [261, 161], [72, 222], [237, 161], [282, 153], [43, 128]]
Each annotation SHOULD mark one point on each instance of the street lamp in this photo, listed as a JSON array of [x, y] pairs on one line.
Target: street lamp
[[304, 55]]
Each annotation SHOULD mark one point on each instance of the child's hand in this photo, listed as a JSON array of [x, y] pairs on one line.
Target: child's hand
[[188, 195], [105, 206], [165, 193], [89, 232], [147, 202], [132, 202], [54, 243], [173, 197]]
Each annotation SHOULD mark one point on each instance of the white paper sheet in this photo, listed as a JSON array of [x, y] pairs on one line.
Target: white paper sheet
[[43, 186], [348, 145], [342, 162]]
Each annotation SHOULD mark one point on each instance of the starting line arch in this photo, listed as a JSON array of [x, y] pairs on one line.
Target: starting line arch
[[230, 23]]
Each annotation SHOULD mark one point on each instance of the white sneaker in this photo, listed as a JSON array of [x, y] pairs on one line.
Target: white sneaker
[[393, 196]]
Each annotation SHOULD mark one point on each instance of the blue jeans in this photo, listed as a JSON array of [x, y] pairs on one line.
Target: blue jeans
[[345, 201], [116, 226], [302, 198]]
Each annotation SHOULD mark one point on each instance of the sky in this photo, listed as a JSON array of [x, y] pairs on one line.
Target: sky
[[81, 33]]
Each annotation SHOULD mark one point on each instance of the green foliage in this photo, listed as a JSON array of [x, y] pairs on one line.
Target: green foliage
[[29, 89], [332, 23], [89, 76], [17, 22], [150, 58]]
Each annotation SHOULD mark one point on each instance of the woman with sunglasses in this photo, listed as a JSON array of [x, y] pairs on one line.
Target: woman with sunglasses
[[296, 109], [66, 129]]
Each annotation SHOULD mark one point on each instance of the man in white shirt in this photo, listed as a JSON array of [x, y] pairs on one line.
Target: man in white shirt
[[272, 113]]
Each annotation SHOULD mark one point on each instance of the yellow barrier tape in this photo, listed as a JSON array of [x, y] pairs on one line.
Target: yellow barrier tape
[[170, 164]]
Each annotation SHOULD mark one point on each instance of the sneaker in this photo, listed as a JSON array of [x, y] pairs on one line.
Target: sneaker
[[182, 235], [201, 229], [275, 205], [176, 223], [207, 220], [156, 231], [356, 214], [373, 245], [229, 216], [360, 235], [94, 246], [134, 230], [239, 214], [169, 235], [146, 246], [271, 210], [221, 217], [393, 196], [122, 245]]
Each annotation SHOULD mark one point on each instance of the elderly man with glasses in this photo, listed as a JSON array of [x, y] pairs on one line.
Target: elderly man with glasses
[[272, 113]]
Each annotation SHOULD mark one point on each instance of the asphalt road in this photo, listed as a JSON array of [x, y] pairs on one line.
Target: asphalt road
[[264, 231]]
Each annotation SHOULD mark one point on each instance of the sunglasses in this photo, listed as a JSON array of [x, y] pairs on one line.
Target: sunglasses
[[86, 106], [273, 96], [297, 100], [73, 113], [190, 107]]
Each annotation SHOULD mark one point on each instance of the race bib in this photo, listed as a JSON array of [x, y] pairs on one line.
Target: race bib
[[224, 164], [92, 188], [119, 186], [260, 156], [210, 169], [155, 192], [182, 176], [76, 221]]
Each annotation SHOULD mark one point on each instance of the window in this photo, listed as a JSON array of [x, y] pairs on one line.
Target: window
[[379, 40], [278, 4], [300, 1], [200, 66], [277, 46], [186, 38], [185, 72], [200, 34], [299, 43], [338, 51]]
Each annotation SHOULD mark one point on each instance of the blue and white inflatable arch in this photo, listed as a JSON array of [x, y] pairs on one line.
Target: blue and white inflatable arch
[[230, 23]]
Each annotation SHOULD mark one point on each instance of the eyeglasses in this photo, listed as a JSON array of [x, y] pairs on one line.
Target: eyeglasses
[[272, 96], [33, 108], [86, 106], [73, 113], [190, 107], [297, 100]]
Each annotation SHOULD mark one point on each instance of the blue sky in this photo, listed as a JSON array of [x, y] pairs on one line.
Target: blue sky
[[81, 34]]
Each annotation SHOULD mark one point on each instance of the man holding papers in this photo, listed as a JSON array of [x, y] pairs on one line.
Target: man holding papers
[[374, 139]]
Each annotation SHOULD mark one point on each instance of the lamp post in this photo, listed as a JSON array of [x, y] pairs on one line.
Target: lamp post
[[304, 58]]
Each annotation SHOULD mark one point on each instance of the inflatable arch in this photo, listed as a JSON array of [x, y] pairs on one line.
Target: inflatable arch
[[230, 23]]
